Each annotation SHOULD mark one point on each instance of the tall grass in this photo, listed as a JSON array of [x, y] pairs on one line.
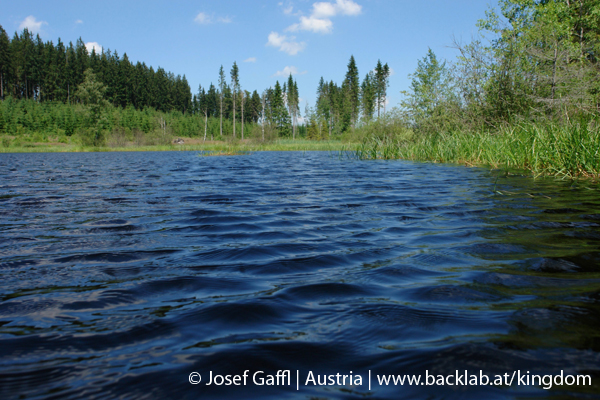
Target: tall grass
[[570, 150]]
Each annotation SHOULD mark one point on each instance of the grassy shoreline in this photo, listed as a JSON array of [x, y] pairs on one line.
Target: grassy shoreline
[[571, 151], [215, 146]]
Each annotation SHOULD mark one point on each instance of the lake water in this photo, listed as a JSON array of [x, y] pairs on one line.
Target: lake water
[[124, 273]]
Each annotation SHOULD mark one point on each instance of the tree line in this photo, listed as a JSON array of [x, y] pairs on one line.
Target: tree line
[[341, 107], [533, 60], [43, 75], [338, 108], [32, 69]]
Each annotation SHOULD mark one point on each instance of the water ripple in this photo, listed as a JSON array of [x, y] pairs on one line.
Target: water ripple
[[122, 273]]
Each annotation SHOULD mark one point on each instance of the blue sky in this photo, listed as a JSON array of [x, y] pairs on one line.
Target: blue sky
[[267, 38]]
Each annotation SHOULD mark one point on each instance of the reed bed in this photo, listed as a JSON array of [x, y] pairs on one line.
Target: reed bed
[[570, 150]]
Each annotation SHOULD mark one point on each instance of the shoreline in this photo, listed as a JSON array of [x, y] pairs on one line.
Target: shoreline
[[195, 145]]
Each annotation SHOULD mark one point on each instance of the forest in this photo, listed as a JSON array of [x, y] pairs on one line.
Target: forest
[[59, 91], [531, 75]]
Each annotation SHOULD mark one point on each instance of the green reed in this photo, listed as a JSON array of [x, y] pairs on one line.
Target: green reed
[[569, 150]]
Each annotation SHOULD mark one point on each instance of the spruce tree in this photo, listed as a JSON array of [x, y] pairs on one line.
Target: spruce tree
[[351, 92], [222, 85], [4, 60], [382, 74], [280, 115], [235, 83], [292, 100], [368, 96]]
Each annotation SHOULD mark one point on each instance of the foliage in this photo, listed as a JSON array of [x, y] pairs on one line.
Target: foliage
[[431, 100], [525, 93], [91, 94], [533, 60], [340, 109]]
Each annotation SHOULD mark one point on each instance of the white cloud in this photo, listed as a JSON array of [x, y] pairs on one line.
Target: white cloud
[[250, 59], [93, 45], [288, 8], [319, 20], [285, 43], [203, 19], [324, 10], [79, 21], [340, 7], [275, 39], [32, 24], [312, 24], [286, 71]]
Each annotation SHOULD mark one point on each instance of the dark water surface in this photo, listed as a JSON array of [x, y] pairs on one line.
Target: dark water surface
[[122, 273]]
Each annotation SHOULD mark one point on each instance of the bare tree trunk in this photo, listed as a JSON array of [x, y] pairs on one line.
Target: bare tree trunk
[[294, 124], [242, 93], [221, 125], [205, 122], [320, 129], [234, 113], [263, 114], [2, 86], [163, 125]]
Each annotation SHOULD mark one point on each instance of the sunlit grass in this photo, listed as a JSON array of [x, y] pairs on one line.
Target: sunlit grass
[[571, 150], [221, 147]]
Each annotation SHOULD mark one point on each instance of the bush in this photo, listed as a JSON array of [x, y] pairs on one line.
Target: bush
[[118, 138], [390, 126]]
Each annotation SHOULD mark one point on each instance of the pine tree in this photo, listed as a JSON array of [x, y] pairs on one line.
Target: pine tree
[[222, 86], [203, 107], [254, 107], [368, 96], [382, 74], [279, 113], [4, 60], [351, 93], [50, 79], [81, 61], [60, 61], [235, 83], [292, 102], [70, 71]]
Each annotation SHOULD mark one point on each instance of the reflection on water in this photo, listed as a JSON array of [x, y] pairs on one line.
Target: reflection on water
[[124, 272]]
